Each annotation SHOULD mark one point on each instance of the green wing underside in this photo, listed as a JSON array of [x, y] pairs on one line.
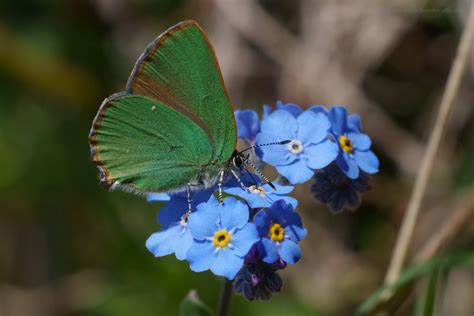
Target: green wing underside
[[146, 145], [180, 69]]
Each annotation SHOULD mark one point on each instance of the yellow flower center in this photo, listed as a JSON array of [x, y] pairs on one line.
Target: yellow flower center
[[276, 233], [345, 143], [221, 238]]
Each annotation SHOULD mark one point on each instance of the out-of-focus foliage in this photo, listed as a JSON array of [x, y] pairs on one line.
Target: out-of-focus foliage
[[68, 247]]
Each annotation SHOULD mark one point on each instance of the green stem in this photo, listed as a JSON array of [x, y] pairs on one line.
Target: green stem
[[224, 301]]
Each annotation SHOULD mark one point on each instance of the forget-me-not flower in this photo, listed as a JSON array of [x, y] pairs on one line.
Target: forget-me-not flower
[[354, 146], [280, 229], [174, 236], [309, 147], [222, 236]]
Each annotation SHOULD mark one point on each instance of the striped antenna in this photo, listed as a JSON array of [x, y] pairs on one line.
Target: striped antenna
[[266, 144]]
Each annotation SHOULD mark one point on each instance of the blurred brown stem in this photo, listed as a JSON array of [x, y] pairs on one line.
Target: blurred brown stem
[[447, 102], [451, 226]]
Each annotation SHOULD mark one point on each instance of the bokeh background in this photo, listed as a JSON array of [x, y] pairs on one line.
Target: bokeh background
[[68, 247]]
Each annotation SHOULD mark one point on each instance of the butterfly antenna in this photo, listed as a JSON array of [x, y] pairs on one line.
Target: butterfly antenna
[[266, 144]]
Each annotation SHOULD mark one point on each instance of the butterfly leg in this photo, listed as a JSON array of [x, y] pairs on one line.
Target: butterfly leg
[[219, 184], [236, 176], [258, 171], [188, 189]]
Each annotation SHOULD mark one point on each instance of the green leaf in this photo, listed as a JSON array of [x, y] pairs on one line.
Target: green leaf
[[193, 306], [425, 303], [412, 273]]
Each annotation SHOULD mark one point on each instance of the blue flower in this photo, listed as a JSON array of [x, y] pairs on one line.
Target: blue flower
[[333, 188], [222, 237], [157, 197], [309, 147], [280, 229], [174, 236], [318, 109], [292, 108], [248, 125], [354, 146], [260, 195], [257, 281], [267, 110]]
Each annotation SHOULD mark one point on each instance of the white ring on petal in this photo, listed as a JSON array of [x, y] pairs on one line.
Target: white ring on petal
[[295, 147]]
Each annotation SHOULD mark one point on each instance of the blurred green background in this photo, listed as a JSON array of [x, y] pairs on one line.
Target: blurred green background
[[68, 247]]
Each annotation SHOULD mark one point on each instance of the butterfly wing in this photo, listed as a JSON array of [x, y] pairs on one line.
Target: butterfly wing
[[180, 69], [143, 145]]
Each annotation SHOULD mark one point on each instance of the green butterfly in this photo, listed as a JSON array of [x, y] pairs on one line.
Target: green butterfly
[[174, 125]]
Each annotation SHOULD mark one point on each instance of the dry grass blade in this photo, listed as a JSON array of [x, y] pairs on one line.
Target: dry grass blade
[[413, 208]]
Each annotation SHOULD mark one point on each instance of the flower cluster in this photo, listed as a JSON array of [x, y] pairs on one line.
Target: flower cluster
[[255, 230]]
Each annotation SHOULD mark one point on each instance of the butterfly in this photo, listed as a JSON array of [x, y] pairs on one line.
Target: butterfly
[[174, 124]]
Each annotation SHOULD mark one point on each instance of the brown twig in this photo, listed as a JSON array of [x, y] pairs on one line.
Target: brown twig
[[451, 226], [413, 208]]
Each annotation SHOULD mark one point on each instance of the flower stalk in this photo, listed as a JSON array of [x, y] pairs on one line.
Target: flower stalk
[[225, 298]]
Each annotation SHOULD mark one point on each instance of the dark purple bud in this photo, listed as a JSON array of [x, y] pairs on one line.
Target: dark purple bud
[[279, 265], [253, 255]]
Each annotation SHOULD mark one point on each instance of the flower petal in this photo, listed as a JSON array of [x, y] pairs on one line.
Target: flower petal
[[172, 211], [320, 155], [157, 197], [312, 127], [338, 117], [275, 154], [348, 165], [226, 263], [266, 111], [288, 199], [233, 213], [162, 243], [318, 109], [280, 212], [244, 239], [297, 172], [360, 141], [292, 108], [203, 222], [200, 256], [281, 124], [296, 232], [183, 244], [280, 189], [268, 250], [290, 252], [247, 123], [262, 222], [354, 123], [367, 161]]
